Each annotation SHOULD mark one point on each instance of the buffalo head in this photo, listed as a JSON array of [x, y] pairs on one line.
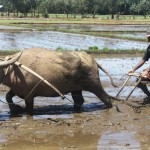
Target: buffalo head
[[4, 63]]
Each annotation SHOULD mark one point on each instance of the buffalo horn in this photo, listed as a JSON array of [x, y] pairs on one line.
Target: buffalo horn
[[10, 61]]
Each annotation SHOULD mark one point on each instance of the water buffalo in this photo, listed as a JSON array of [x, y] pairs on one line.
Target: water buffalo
[[70, 72]]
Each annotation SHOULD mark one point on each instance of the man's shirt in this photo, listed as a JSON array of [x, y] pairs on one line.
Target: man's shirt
[[147, 54]]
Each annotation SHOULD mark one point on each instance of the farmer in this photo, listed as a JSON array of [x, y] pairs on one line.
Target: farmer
[[145, 73]]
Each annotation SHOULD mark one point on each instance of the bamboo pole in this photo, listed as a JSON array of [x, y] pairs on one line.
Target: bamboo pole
[[123, 86], [134, 74], [133, 88], [40, 77]]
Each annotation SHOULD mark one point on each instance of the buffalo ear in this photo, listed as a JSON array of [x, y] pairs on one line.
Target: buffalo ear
[[10, 60]]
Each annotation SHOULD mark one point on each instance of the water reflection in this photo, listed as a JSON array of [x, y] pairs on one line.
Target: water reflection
[[123, 140], [2, 139]]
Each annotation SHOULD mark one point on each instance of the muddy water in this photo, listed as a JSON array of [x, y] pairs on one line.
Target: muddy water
[[55, 126], [53, 40]]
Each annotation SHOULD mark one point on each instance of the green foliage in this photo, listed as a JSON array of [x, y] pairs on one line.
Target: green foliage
[[105, 49], [2, 14], [45, 15], [82, 7], [59, 49], [93, 48], [8, 52]]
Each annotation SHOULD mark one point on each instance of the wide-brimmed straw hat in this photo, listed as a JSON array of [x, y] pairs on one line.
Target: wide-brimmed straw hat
[[148, 34]]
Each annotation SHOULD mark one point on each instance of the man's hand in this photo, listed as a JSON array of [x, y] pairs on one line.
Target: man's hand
[[131, 71], [145, 73]]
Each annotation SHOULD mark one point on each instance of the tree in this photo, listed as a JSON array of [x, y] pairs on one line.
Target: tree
[[22, 6], [44, 6], [68, 7], [92, 6], [123, 6], [83, 7], [133, 9], [143, 7], [32, 7], [111, 6], [7, 4], [75, 7]]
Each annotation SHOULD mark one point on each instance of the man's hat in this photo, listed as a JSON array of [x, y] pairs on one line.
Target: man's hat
[[148, 34]]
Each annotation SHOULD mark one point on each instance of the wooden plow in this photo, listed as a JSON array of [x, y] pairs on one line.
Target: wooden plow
[[138, 76]]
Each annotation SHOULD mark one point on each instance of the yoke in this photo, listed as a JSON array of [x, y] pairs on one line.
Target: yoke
[[138, 76]]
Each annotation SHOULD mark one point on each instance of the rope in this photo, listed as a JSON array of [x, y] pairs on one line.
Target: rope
[[33, 89], [10, 103], [82, 96], [26, 96]]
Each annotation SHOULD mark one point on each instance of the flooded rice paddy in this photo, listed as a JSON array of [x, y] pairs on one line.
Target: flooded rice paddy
[[55, 126], [53, 40], [19, 40]]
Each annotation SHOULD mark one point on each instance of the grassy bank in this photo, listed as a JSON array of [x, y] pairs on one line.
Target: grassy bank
[[8, 52], [61, 18], [92, 50]]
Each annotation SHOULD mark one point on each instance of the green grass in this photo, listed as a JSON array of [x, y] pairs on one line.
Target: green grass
[[90, 50], [61, 18], [8, 52]]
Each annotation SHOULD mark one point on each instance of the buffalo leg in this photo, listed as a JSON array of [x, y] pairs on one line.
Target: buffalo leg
[[29, 106], [14, 109], [78, 100], [9, 97]]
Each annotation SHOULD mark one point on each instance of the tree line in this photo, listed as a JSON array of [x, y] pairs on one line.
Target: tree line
[[74, 7]]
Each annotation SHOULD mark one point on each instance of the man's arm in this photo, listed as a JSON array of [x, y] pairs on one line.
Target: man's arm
[[141, 62]]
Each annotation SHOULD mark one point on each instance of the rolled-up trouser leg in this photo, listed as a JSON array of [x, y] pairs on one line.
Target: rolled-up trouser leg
[[143, 87]]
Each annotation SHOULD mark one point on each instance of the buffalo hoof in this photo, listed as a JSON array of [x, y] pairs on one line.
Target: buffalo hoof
[[108, 104], [77, 108], [16, 109]]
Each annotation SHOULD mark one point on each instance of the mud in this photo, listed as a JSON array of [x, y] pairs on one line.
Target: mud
[[56, 126]]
